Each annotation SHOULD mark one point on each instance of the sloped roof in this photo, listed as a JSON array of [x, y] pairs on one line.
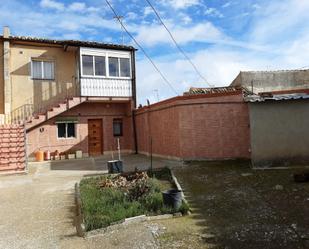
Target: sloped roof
[[278, 95], [77, 43], [294, 96], [225, 89]]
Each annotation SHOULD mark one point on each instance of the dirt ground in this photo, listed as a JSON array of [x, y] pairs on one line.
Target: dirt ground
[[237, 207]]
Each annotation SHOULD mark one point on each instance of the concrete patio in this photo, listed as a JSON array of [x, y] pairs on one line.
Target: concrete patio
[[38, 210]]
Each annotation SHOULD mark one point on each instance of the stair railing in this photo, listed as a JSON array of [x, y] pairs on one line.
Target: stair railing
[[41, 104]]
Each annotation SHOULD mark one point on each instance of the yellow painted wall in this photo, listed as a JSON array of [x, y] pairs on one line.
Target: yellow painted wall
[[27, 92], [1, 80]]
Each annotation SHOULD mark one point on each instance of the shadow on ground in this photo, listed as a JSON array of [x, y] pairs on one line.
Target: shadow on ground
[[238, 207]]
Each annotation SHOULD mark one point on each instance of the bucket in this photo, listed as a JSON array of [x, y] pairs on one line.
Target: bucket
[[39, 156], [114, 166], [172, 198], [46, 155]]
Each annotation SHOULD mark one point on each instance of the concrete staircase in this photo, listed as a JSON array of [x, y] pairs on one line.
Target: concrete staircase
[[13, 136], [12, 148], [59, 108]]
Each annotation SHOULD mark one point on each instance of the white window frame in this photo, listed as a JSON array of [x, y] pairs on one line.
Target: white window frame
[[107, 53], [42, 68], [93, 66], [66, 129]]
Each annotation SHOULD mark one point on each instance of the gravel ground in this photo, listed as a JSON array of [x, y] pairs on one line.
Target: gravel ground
[[237, 207]]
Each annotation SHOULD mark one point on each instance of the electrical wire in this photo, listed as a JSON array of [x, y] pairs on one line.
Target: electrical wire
[[142, 49], [177, 45]]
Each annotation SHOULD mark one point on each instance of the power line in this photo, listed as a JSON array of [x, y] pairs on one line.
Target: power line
[[148, 57], [176, 43]]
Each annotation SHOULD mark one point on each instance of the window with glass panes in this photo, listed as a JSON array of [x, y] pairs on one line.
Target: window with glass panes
[[66, 130], [93, 65], [42, 70], [117, 127]]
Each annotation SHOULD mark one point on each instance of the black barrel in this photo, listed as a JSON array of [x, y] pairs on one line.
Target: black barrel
[[172, 198], [114, 166]]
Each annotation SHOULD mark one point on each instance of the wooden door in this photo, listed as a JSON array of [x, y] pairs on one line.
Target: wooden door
[[95, 137]]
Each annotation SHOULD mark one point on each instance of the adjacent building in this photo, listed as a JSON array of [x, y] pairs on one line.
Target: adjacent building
[[279, 124], [268, 81]]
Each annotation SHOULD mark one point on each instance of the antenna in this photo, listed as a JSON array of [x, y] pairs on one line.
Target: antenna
[[120, 18], [157, 94]]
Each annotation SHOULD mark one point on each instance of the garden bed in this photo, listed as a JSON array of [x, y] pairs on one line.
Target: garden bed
[[109, 199]]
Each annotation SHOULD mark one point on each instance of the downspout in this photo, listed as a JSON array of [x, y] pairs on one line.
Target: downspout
[[6, 71], [134, 132], [134, 100]]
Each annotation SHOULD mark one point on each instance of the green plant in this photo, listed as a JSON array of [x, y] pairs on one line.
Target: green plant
[[153, 201], [184, 208], [102, 205]]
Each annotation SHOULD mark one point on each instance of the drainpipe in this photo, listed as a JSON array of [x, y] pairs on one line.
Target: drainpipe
[[134, 99], [6, 68], [134, 132]]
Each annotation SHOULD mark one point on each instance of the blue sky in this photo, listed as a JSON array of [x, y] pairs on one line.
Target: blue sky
[[222, 37]]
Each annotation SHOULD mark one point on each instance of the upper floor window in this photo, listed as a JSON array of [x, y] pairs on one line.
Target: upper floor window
[[119, 67], [93, 65], [105, 63], [42, 70]]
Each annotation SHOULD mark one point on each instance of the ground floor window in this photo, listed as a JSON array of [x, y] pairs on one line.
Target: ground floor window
[[66, 130], [117, 127]]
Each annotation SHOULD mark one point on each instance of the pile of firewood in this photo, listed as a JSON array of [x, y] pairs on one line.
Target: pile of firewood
[[123, 181]]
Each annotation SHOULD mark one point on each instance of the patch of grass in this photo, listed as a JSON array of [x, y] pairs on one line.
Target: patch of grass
[[103, 206], [161, 174]]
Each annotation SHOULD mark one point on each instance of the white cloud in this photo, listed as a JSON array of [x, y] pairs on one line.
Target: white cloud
[[73, 7], [227, 4], [181, 4], [77, 6], [155, 34], [51, 4], [147, 11], [213, 12], [185, 18], [131, 16]]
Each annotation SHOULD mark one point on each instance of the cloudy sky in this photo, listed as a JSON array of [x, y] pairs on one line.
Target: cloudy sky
[[222, 37]]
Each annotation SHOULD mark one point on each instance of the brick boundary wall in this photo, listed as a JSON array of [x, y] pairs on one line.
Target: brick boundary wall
[[12, 148], [195, 127]]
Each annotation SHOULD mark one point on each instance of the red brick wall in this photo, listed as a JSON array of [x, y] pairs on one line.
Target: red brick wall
[[44, 137], [212, 126], [12, 148]]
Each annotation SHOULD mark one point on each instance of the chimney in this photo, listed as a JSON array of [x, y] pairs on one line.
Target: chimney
[[6, 32]]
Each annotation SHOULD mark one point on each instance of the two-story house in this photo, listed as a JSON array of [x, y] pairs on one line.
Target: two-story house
[[70, 95]]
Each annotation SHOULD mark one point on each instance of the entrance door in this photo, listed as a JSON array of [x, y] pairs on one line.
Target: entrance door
[[95, 137]]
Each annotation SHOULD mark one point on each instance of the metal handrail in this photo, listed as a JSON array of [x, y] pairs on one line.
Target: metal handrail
[[34, 106]]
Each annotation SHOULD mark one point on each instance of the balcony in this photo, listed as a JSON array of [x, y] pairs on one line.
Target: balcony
[[105, 87], [105, 73]]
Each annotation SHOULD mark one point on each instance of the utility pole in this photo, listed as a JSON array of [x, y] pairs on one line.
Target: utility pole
[[120, 18]]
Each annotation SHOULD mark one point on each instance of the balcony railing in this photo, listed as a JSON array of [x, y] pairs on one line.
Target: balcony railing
[[106, 87], [88, 87]]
